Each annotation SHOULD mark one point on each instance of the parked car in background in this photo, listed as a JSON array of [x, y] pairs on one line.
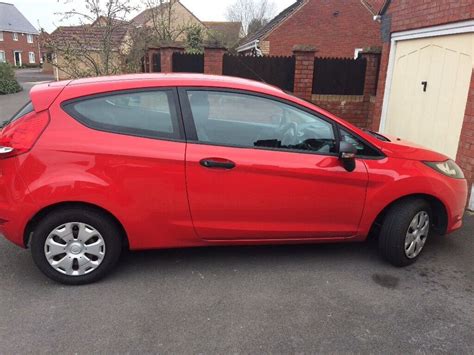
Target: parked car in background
[[92, 166]]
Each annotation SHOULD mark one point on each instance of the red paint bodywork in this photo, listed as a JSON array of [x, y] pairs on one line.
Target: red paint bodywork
[[163, 198]]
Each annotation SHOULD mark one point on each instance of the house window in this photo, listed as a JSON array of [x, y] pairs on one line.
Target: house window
[[29, 38], [31, 57], [2, 57], [15, 36], [1, 36]]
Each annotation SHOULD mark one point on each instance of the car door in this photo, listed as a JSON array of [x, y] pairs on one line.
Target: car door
[[260, 168]]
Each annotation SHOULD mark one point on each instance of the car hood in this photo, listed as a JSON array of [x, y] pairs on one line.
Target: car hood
[[400, 148]]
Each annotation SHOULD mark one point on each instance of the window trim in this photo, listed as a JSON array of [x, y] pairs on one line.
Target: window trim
[[4, 56], [28, 37], [2, 36], [15, 36], [84, 120], [191, 134]]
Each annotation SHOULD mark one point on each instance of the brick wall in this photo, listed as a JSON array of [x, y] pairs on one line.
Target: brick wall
[[408, 15], [465, 155], [8, 45], [334, 27], [352, 108]]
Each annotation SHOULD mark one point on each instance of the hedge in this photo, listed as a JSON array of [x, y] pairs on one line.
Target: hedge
[[9, 86], [8, 83]]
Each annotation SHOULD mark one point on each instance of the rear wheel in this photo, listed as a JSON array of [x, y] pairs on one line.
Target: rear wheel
[[76, 246], [405, 230]]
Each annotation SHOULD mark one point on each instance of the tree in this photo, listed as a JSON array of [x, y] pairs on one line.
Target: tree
[[95, 46], [194, 40], [255, 25], [251, 13]]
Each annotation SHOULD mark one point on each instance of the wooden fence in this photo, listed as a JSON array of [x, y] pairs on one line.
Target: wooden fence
[[278, 71], [339, 76], [188, 63]]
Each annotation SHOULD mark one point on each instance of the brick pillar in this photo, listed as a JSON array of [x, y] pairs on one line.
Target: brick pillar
[[381, 86], [166, 55], [304, 69], [372, 56], [214, 60]]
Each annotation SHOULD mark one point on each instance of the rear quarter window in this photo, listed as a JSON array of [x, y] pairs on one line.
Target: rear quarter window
[[150, 114]]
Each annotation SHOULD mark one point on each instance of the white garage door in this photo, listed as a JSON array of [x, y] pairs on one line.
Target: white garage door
[[428, 95]]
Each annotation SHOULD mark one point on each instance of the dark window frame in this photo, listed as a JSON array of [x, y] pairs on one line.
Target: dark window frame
[[175, 112], [191, 134]]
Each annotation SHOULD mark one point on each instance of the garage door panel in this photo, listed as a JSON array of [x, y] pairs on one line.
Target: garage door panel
[[445, 101], [433, 117]]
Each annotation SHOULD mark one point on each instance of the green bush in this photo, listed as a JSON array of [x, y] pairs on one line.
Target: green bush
[[8, 83], [6, 72], [9, 86]]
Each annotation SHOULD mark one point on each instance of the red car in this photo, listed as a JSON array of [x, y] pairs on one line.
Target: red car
[[92, 166]]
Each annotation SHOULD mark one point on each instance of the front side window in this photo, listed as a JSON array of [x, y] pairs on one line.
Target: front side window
[[363, 149], [2, 57], [31, 56], [1, 36], [147, 114], [29, 38], [245, 120], [15, 36]]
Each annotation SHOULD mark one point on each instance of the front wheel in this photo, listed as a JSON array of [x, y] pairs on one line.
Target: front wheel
[[76, 246], [405, 230]]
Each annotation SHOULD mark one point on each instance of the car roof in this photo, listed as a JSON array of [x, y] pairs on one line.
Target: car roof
[[183, 79], [43, 95]]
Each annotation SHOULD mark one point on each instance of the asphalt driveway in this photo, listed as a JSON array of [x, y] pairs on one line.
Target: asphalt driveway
[[9, 104], [286, 299]]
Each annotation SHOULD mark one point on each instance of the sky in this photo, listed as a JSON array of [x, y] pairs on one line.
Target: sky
[[42, 13]]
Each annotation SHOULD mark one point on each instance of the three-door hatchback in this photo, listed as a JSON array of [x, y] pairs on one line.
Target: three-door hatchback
[[92, 166]]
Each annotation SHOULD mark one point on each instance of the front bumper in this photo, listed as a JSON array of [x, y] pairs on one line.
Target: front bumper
[[456, 203]]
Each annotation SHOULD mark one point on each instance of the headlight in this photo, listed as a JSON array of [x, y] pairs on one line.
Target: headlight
[[448, 168]]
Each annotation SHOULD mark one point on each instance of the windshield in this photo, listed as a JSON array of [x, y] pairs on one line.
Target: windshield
[[377, 135]]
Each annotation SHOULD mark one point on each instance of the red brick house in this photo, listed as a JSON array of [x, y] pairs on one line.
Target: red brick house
[[19, 43], [426, 87], [336, 28]]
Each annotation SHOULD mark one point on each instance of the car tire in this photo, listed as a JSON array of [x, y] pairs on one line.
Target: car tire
[[404, 231], [76, 246]]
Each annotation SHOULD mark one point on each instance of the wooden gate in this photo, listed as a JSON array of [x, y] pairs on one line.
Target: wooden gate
[[278, 71], [188, 63], [339, 76], [156, 63]]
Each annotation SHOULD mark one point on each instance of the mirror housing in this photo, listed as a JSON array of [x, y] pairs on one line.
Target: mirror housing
[[347, 155]]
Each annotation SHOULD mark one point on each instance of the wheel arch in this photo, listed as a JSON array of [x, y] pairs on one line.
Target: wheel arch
[[32, 223], [439, 211]]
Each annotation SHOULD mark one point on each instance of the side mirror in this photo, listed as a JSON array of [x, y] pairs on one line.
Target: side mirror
[[347, 154]]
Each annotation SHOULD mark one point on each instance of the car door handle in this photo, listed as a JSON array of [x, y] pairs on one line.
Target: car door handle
[[217, 163]]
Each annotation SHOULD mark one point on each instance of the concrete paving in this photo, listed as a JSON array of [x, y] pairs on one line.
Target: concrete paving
[[9, 104], [286, 299]]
